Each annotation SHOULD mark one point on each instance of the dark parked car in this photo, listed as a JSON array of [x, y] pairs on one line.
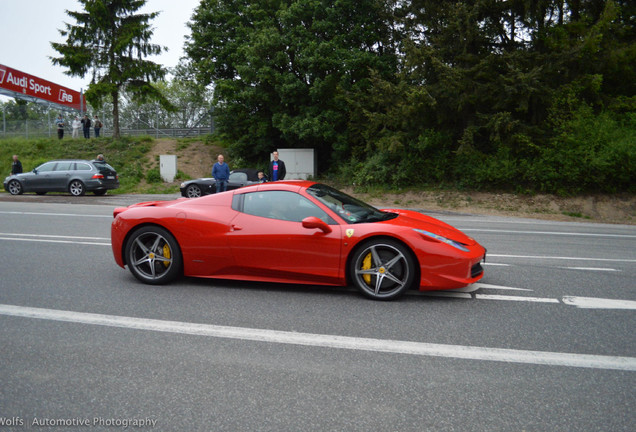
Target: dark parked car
[[69, 175], [206, 186]]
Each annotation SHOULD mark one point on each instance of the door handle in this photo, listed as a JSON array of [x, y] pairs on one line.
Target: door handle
[[235, 228]]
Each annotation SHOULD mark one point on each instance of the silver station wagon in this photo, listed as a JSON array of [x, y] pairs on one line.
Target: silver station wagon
[[69, 175]]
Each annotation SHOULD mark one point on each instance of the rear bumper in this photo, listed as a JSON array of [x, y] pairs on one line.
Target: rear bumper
[[97, 184]]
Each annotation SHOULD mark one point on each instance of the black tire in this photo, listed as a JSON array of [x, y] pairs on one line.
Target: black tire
[[193, 191], [382, 269], [15, 187], [153, 255], [76, 188], [99, 192]]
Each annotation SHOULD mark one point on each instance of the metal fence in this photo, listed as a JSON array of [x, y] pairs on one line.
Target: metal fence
[[42, 129]]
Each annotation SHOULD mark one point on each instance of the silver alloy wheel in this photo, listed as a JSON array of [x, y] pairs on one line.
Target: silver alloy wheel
[[76, 188], [382, 270], [193, 191], [15, 188], [151, 255]]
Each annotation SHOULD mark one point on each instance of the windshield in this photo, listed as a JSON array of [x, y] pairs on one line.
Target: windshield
[[103, 166], [348, 208]]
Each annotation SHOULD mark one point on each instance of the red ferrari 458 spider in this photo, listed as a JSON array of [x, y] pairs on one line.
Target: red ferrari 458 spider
[[294, 232]]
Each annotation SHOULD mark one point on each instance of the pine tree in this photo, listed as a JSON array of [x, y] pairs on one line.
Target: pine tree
[[111, 41]]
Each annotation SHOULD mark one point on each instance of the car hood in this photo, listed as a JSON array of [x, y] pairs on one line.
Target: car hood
[[18, 176], [416, 220], [199, 180]]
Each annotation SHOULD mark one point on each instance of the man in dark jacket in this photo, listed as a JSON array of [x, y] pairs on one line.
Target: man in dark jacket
[[277, 169], [221, 173], [86, 126], [16, 166]]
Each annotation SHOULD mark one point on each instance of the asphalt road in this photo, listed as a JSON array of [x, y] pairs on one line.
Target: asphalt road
[[545, 342]]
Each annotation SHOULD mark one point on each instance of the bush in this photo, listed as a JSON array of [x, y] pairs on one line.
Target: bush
[[153, 176]]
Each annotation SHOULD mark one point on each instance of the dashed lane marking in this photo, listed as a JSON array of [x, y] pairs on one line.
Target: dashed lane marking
[[599, 303], [56, 214]]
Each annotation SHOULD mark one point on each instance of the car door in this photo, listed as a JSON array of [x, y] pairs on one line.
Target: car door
[[268, 240], [41, 179], [60, 176]]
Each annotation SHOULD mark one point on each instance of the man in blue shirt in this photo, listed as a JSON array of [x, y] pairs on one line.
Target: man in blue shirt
[[221, 173], [277, 168]]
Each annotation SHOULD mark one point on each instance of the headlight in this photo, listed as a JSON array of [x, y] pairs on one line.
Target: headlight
[[442, 239], [182, 185]]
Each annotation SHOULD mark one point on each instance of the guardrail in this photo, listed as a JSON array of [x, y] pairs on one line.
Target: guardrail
[[32, 131]]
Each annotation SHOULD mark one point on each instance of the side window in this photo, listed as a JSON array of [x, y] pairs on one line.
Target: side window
[[282, 205], [46, 167], [64, 166], [238, 177], [83, 167]]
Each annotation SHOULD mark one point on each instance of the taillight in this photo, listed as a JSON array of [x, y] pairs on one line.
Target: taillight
[[98, 176]]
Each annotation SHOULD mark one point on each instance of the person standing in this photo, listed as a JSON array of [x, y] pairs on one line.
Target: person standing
[[97, 125], [16, 166], [76, 126], [277, 169], [60, 126], [86, 126], [221, 173]]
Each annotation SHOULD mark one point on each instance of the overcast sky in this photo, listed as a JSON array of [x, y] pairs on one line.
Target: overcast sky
[[27, 28]]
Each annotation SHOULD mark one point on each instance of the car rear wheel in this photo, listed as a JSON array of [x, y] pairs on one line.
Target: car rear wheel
[[382, 269], [77, 188], [193, 191], [15, 187], [153, 255]]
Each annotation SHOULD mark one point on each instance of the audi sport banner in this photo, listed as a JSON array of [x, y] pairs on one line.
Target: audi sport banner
[[20, 82]]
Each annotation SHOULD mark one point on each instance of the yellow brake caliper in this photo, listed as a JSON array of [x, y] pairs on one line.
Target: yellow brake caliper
[[366, 265], [166, 254]]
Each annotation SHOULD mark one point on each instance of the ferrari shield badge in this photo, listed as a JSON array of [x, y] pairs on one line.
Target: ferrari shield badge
[[349, 232]]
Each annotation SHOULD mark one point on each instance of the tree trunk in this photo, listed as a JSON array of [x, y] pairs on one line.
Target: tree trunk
[[115, 96]]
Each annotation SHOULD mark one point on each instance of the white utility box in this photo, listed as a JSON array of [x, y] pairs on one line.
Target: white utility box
[[168, 167], [299, 163]]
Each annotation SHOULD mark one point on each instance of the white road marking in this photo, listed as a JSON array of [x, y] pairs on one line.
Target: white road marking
[[516, 298], [54, 241], [593, 269], [449, 294], [479, 285], [56, 214], [490, 255], [556, 233], [53, 236], [546, 257], [599, 303], [332, 341]]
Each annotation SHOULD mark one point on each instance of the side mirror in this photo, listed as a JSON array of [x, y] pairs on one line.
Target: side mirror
[[312, 222], [35, 170]]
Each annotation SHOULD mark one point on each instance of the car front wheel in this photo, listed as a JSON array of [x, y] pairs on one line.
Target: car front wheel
[[77, 188], [15, 187], [193, 191], [153, 255], [382, 269]]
